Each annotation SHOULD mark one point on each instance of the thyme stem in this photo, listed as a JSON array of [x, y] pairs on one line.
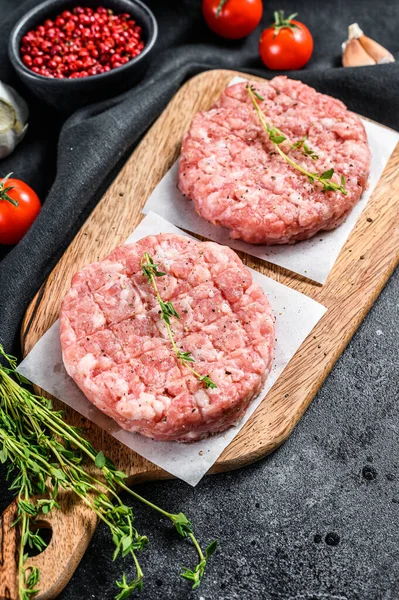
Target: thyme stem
[[150, 270], [196, 544], [277, 137]]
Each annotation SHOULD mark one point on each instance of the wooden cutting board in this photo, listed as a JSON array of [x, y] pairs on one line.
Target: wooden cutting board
[[363, 267]]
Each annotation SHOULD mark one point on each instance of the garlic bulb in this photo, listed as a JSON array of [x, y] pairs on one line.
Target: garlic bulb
[[13, 119], [360, 50]]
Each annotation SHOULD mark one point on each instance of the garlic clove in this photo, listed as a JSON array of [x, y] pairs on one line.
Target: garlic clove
[[354, 55], [375, 51], [13, 119]]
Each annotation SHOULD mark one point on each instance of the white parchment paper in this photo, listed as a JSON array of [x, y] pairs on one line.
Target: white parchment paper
[[312, 258], [296, 315]]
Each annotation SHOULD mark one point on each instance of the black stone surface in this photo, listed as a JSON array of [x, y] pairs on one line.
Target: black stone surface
[[317, 520]]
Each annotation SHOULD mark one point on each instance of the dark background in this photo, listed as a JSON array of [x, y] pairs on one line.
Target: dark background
[[319, 518]]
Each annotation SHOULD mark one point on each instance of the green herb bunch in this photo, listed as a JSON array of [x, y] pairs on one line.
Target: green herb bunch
[[47, 455], [277, 137]]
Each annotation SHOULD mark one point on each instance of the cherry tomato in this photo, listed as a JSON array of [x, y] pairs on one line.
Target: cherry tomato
[[285, 45], [232, 19], [19, 207]]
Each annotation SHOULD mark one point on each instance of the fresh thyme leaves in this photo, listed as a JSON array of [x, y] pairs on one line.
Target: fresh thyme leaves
[[167, 311], [277, 137], [150, 270], [325, 179], [196, 574], [127, 587], [47, 455], [28, 437], [300, 145], [183, 526], [208, 381], [259, 97], [187, 356], [100, 460]]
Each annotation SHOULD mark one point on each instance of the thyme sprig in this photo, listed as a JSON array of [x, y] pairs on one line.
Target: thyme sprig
[[276, 136], [49, 455], [150, 270]]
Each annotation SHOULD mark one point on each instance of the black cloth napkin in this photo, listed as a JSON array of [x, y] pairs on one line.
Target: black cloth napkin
[[71, 162]]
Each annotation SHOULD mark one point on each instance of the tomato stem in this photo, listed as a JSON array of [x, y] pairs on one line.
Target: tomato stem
[[220, 8], [281, 23], [4, 191]]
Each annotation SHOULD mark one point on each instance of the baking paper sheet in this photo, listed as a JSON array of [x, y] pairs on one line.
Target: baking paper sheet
[[312, 258], [296, 315]]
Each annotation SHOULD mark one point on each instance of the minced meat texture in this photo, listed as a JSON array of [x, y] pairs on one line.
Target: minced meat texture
[[116, 347], [231, 171]]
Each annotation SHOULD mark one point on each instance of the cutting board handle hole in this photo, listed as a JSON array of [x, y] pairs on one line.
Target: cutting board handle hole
[[46, 532]]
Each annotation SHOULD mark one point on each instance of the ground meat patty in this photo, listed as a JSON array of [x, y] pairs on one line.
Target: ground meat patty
[[116, 347], [229, 167]]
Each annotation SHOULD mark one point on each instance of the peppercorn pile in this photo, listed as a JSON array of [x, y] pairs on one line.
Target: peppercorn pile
[[81, 42]]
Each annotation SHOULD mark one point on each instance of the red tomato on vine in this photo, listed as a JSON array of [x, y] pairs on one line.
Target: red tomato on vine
[[19, 207], [285, 45], [232, 19]]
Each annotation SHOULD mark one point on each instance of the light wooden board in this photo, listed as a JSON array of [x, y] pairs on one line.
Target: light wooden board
[[364, 265]]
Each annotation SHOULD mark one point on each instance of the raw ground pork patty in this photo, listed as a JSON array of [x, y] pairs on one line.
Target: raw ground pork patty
[[116, 347], [229, 167]]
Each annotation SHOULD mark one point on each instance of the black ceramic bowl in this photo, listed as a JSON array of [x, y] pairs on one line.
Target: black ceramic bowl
[[70, 94]]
